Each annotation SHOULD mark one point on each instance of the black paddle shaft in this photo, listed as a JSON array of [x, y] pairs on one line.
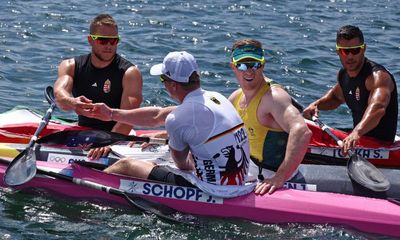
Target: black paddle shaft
[[138, 202], [46, 118], [94, 138]]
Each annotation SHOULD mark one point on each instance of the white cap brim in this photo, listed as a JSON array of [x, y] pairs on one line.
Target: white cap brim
[[157, 69]]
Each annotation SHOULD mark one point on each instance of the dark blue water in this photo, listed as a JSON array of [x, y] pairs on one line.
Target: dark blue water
[[299, 38]]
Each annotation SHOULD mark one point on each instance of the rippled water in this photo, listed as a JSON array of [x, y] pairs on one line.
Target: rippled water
[[299, 37]]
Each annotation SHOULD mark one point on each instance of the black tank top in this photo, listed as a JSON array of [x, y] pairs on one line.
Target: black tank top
[[356, 96], [100, 85]]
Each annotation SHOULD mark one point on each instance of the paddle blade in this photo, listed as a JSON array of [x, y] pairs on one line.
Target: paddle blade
[[84, 139], [22, 169], [49, 94], [366, 174]]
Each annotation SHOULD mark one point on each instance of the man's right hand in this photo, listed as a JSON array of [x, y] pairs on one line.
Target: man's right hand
[[82, 105], [311, 110]]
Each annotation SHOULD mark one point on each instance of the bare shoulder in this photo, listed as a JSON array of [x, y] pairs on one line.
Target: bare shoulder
[[66, 67], [276, 100], [133, 76], [134, 71], [279, 95], [133, 68], [234, 95], [67, 63], [380, 79]]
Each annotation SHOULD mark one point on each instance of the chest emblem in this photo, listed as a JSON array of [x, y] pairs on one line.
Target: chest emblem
[[358, 94], [215, 100], [107, 86]]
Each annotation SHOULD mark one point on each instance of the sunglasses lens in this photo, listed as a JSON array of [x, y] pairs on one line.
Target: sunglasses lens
[[347, 51], [105, 41], [241, 67], [256, 65], [355, 51], [244, 66]]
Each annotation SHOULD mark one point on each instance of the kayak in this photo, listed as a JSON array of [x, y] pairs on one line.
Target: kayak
[[369, 215], [310, 177], [18, 125], [323, 149]]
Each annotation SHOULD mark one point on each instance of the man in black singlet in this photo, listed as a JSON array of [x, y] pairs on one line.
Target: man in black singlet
[[368, 89], [101, 76]]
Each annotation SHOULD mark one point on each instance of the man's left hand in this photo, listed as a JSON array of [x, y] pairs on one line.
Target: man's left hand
[[269, 185], [350, 141], [96, 153]]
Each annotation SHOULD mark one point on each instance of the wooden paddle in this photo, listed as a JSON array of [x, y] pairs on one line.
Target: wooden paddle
[[23, 166]]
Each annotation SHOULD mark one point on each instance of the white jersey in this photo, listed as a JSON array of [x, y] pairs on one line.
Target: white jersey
[[209, 125]]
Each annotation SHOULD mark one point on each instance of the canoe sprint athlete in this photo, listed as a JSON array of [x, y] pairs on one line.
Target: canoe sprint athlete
[[207, 139], [368, 89], [100, 76], [277, 132]]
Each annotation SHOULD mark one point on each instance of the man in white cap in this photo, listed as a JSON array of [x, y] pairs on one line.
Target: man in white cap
[[207, 138]]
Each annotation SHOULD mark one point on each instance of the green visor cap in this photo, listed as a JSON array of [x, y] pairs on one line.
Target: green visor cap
[[248, 51]]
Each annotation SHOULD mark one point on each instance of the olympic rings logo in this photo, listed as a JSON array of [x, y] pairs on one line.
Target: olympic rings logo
[[57, 159]]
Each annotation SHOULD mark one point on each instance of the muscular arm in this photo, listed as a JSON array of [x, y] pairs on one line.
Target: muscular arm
[[146, 117], [380, 86], [143, 117], [132, 84], [278, 104], [63, 89], [331, 100]]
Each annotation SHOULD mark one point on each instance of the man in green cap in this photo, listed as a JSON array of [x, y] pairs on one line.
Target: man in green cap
[[277, 131]]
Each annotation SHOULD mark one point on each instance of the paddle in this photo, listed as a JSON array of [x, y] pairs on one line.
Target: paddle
[[93, 138], [359, 169], [23, 166], [142, 204]]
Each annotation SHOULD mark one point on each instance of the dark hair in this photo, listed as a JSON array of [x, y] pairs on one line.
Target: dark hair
[[247, 41], [100, 20], [194, 81], [349, 32]]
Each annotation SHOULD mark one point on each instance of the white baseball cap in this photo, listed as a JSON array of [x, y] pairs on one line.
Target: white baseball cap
[[177, 66]]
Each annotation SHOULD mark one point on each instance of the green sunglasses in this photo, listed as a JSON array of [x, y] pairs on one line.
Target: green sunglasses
[[104, 40]]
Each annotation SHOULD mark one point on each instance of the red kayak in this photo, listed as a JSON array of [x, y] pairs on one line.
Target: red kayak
[[323, 149]]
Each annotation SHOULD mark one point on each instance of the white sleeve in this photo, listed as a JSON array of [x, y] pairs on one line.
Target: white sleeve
[[189, 125]]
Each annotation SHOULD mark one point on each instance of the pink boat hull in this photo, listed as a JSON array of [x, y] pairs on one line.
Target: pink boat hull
[[284, 206]]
